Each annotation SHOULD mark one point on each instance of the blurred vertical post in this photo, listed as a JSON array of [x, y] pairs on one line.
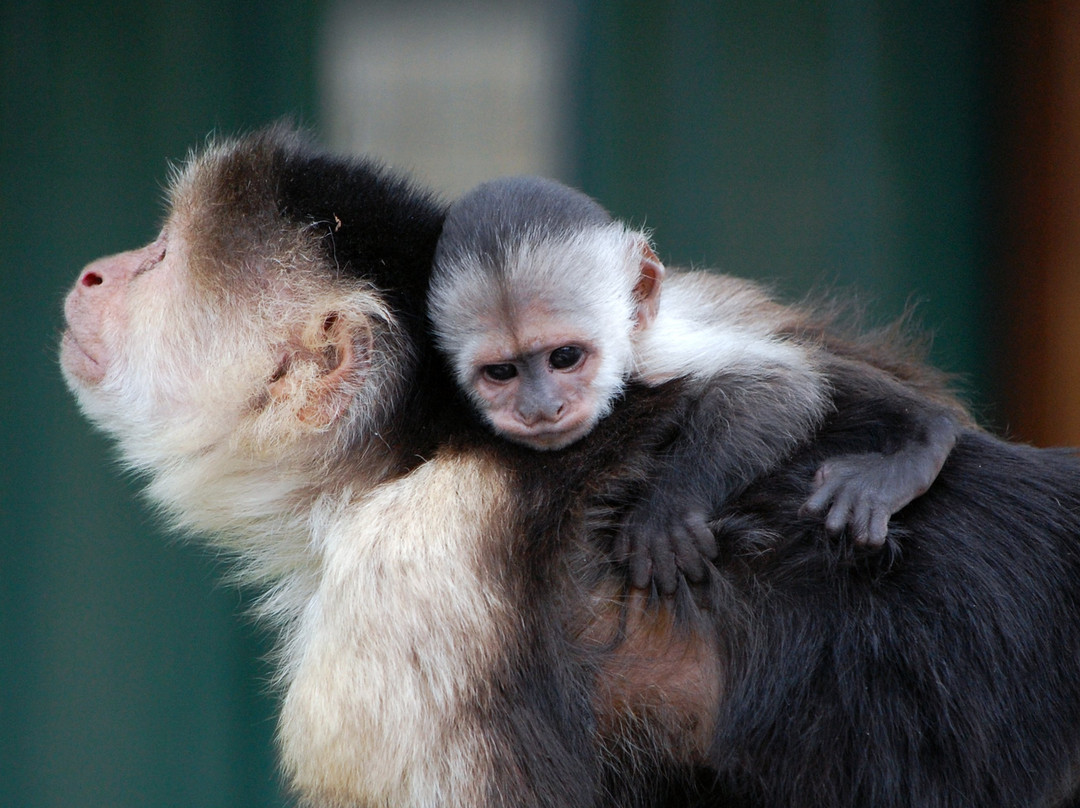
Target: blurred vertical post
[[1039, 219]]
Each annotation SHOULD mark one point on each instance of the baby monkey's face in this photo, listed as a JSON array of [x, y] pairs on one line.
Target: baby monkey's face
[[535, 376]]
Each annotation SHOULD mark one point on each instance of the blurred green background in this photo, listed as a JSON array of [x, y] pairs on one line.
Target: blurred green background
[[846, 144]]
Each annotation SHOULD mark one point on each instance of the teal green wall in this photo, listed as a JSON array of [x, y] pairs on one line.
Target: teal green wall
[[813, 144], [806, 142]]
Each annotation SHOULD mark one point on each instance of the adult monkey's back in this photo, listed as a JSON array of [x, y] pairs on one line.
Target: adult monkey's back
[[947, 674], [450, 633]]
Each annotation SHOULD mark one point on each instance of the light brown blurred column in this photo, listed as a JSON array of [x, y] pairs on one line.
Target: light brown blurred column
[[1040, 217]]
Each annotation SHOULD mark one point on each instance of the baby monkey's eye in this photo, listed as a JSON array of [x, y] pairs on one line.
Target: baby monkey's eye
[[499, 373], [565, 357]]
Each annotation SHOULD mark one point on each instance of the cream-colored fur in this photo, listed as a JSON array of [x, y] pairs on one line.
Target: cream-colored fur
[[706, 324], [384, 665]]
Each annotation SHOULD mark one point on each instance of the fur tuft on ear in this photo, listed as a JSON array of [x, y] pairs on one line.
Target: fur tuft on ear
[[647, 287], [323, 371]]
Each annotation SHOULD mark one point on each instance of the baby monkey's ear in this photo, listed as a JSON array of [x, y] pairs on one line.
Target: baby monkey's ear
[[325, 368], [647, 286]]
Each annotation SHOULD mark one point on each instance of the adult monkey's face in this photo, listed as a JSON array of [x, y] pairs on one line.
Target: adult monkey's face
[[234, 343]]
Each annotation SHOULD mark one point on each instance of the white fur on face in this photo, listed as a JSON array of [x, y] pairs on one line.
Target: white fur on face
[[156, 391], [583, 285], [391, 625], [179, 375]]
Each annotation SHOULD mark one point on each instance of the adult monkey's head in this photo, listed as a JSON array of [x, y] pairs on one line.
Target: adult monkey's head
[[270, 332]]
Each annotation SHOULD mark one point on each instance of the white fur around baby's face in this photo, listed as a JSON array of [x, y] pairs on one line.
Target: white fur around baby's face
[[543, 351]]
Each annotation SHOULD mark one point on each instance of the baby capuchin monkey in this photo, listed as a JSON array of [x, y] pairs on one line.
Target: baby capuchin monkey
[[546, 307]]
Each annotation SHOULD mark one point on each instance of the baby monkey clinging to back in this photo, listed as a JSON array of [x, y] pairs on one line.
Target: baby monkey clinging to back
[[546, 307]]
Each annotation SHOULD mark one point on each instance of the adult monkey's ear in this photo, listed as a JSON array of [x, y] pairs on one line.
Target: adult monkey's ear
[[647, 286], [321, 373]]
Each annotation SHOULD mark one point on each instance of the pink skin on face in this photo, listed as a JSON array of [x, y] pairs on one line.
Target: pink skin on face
[[95, 308], [540, 405], [545, 408]]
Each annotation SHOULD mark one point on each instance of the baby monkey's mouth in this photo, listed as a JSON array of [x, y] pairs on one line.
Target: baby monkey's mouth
[[549, 437]]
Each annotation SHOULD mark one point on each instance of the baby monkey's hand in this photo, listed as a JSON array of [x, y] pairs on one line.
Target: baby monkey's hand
[[860, 492], [665, 536]]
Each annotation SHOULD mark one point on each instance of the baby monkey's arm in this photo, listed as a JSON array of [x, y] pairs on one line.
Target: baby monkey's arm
[[739, 428]]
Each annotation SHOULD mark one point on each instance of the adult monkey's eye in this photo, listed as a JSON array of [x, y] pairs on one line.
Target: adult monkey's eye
[[500, 373], [565, 357], [157, 255]]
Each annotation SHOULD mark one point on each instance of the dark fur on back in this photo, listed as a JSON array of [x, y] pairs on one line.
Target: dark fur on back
[[943, 671], [942, 674]]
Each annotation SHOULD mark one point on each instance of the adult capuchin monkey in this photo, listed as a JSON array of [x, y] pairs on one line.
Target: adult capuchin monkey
[[263, 362], [451, 632], [545, 306]]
